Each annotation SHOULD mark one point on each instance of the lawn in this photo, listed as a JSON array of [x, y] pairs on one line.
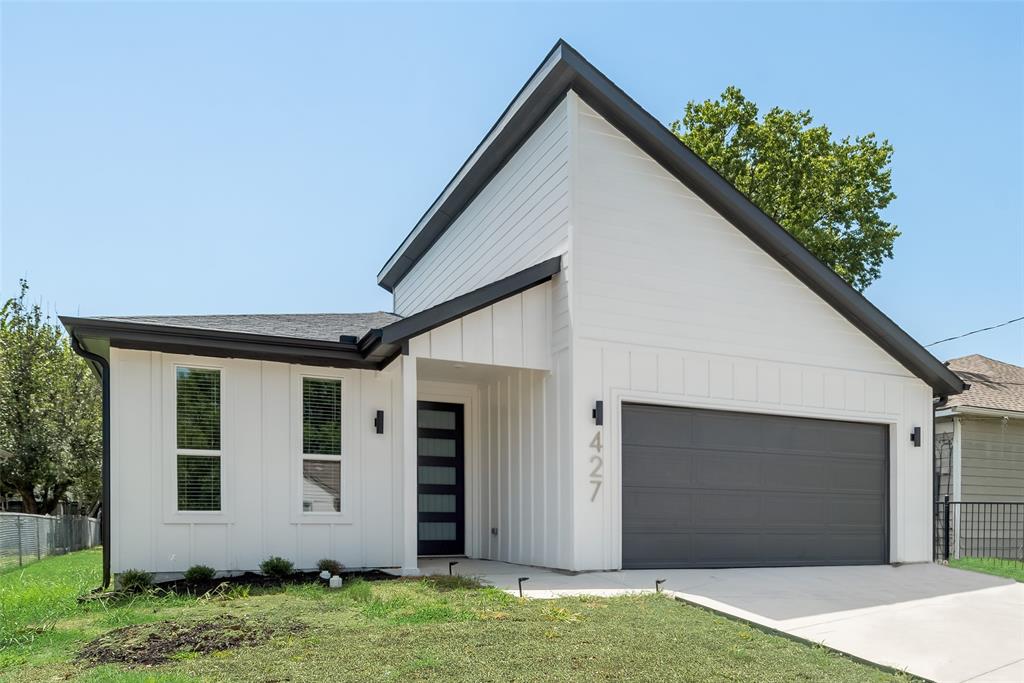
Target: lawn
[[991, 565], [420, 630]]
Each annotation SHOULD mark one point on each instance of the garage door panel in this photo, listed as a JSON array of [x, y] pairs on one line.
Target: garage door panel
[[857, 511], [857, 440], [724, 509], [739, 490], [653, 508], [857, 476], [726, 470], [646, 428], [653, 463]]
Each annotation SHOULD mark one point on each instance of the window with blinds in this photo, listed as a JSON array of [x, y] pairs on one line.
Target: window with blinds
[[321, 437], [198, 439], [321, 416]]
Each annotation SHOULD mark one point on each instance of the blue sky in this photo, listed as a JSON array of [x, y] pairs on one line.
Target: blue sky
[[233, 158]]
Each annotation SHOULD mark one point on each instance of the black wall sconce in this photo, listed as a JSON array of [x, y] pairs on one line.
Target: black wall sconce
[[915, 437], [378, 422], [598, 413]]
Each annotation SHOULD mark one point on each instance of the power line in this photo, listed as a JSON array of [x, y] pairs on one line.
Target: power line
[[984, 329]]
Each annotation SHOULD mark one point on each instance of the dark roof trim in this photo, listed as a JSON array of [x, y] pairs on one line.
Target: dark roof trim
[[374, 351], [563, 69], [218, 344], [450, 310], [527, 109]]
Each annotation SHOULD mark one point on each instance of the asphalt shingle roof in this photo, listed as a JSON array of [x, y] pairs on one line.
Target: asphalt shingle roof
[[994, 384], [317, 326]]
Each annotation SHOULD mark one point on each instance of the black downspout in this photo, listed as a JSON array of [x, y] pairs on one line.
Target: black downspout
[[104, 368]]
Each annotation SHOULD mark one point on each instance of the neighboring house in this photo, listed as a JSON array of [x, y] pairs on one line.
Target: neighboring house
[[602, 355], [984, 430]]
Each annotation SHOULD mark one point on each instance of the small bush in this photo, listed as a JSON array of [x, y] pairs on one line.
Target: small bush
[[332, 566], [277, 567], [135, 580], [198, 573]]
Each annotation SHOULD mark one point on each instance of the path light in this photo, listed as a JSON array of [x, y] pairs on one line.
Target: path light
[[657, 585], [450, 565], [521, 579]]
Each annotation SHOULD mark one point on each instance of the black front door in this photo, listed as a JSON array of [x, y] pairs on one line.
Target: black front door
[[440, 478]]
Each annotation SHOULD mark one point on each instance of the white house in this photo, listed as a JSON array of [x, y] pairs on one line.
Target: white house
[[602, 356]]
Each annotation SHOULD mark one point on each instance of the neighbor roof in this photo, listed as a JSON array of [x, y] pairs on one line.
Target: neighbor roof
[[994, 385], [565, 69]]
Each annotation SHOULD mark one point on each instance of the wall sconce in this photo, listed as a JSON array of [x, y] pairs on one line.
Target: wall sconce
[[378, 422], [915, 437], [598, 413]]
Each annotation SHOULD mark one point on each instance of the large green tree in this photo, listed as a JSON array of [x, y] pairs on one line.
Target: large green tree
[[50, 412], [827, 193]]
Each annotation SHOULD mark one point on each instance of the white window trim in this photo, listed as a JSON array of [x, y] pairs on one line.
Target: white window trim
[[172, 515], [349, 441]]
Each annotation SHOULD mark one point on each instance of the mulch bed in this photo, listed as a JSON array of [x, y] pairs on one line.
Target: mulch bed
[[147, 644], [251, 579]]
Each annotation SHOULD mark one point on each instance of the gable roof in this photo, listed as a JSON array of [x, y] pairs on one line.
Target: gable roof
[[564, 69], [993, 385]]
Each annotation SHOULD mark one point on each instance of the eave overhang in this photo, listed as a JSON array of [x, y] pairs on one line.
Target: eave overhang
[[564, 69], [373, 351]]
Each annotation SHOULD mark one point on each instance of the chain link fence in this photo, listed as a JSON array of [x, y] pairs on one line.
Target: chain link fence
[[27, 538]]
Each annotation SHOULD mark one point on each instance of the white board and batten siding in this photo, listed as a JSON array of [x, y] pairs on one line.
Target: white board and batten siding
[[261, 470], [514, 332], [672, 304], [520, 218]]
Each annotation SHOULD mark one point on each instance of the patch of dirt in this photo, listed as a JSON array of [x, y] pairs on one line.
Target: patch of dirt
[[156, 643]]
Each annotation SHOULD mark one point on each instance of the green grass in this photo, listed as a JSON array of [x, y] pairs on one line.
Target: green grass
[[419, 630], [991, 565]]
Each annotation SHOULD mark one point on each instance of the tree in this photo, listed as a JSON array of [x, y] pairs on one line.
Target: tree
[[50, 411], [828, 194]]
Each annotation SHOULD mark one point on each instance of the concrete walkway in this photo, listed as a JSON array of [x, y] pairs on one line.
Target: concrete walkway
[[940, 623]]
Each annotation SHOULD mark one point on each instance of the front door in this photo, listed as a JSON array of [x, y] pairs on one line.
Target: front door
[[440, 478]]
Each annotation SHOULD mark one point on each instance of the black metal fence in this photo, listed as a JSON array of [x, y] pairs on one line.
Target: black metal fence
[[979, 529]]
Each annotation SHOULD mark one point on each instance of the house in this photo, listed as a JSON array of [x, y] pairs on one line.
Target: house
[[601, 355], [980, 433]]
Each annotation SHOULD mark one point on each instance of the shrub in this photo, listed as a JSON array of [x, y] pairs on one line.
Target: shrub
[[277, 567], [134, 580], [332, 566], [198, 573]]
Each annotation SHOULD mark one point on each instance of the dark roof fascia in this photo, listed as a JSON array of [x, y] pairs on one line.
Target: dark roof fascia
[[534, 101], [218, 344], [426, 320], [374, 351], [564, 69]]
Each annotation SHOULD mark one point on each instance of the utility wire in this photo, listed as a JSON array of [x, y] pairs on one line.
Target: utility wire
[[984, 329]]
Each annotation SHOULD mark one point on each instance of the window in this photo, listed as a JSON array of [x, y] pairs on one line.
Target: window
[[321, 437], [197, 414]]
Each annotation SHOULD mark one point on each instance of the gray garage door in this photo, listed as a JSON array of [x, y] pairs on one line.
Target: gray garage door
[[705, 488]]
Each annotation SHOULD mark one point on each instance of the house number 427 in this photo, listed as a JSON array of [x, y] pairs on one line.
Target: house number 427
[[596, 474]]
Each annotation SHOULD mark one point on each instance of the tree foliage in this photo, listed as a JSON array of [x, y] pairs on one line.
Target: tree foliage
[[827, 193], [50, 412]]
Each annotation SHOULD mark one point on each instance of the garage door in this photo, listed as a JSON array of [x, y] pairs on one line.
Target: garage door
[[705, 488]]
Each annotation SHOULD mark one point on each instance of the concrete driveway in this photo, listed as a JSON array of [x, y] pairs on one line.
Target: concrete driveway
[[940, 623]]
